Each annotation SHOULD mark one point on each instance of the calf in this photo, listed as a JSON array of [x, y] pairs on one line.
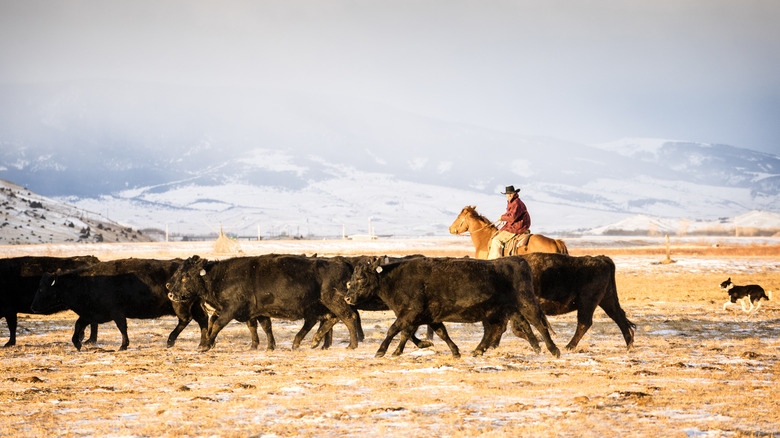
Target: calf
[[565, 283], [19, 279], [751, 294], [117, 290], [431, 291], [274, 286]]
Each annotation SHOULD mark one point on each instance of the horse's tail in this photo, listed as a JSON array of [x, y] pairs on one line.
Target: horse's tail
[[562, 249]]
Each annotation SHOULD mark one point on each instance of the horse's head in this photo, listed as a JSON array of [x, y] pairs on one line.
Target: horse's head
[[461, 223]]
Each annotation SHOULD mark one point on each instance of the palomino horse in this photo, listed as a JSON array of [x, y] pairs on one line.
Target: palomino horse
[[481, 230]]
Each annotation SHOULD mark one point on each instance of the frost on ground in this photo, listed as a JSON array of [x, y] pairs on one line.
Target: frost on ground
[[695, 371]]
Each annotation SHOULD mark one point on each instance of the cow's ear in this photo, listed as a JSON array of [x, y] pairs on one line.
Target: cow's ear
[[378, 269], [202, 272]]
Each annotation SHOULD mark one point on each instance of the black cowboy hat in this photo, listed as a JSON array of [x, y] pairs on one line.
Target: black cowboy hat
[[510, 189]]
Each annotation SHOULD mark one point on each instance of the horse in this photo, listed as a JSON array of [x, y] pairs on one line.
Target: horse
[[481, 230]]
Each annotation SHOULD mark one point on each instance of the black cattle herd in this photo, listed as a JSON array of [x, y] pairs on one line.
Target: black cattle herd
[[516, 292]]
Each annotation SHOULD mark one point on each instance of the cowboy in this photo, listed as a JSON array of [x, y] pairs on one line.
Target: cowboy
[[516, 221]]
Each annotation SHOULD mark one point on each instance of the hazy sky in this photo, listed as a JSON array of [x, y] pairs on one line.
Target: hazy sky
[[585, 70]]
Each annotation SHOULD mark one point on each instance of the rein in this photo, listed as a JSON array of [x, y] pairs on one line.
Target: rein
[[475, 231]]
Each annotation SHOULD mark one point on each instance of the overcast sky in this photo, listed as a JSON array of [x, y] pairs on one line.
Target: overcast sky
[[584, 70]]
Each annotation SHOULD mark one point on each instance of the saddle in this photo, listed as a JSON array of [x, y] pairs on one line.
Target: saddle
[[516, 245]]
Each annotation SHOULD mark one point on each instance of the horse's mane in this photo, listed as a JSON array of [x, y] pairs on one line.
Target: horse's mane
[[473, 210]]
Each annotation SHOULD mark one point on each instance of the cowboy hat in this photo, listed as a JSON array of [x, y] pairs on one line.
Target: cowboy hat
[[510, 189]]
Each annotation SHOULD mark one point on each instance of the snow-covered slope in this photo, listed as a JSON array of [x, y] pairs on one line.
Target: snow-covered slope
[[28, 218]]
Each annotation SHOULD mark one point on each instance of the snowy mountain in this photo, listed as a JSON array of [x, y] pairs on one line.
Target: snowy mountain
[[28, 218], [272, 163]]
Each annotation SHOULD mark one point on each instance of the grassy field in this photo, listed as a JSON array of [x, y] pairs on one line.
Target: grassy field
[[695, 371]]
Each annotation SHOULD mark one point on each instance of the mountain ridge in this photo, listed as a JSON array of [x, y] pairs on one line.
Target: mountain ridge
[[256, 156]]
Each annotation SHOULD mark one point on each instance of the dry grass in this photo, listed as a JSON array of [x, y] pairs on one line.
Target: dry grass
[[687, 250], [695, 371]]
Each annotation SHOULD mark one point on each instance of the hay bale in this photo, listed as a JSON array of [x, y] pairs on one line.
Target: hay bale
[[225, 244]]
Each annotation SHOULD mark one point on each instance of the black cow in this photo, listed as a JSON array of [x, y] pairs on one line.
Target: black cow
[[117, 290], [432, 290], [374, 303], [275, 286], [19, 278], [565, 283]]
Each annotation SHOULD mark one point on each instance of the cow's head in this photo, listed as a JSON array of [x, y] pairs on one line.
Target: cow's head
[[47, 298], [365, 279], [189, 280]]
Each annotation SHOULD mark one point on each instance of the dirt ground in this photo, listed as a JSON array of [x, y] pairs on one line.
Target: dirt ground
[[696, 371]]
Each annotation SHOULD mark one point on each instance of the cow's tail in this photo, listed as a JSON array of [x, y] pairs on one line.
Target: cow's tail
[[561, 245]]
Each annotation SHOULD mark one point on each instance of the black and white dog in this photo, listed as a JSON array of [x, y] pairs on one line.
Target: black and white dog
[[750, 294]]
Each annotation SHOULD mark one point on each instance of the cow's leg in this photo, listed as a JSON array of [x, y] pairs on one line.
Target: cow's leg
[[176, 330], [533, 314], [492, 330], [78, 332], [522, 329], [216, 323], [327, 341], [361, 335], [251, 325], [584, 321], [121, 324], [308, 323], [419, 343], [202, 318], [612, 308], [346, 314], [429, 334], [265, 324], [324, 331], [495, 340], [395, 327], [10, 319], [441, 332], [405, 335], [93, 332]]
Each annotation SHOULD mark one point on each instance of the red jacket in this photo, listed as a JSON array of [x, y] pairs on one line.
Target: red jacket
[[516, 217]]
